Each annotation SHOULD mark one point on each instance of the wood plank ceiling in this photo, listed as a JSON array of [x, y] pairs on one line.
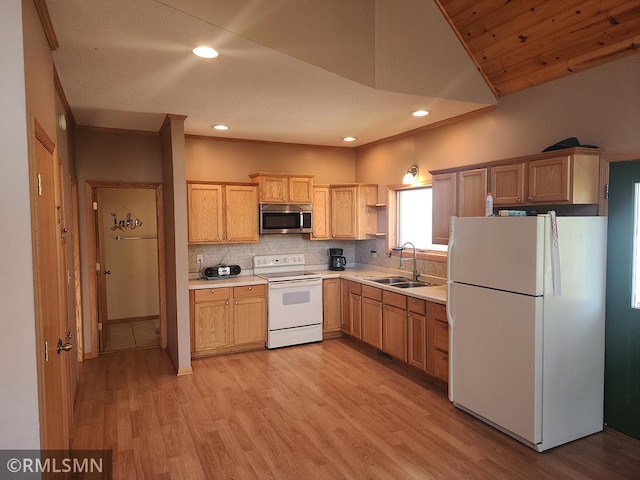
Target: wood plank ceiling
[[522, 43]]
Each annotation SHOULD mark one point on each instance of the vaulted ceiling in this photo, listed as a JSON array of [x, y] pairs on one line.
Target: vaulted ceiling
[[314, 72]]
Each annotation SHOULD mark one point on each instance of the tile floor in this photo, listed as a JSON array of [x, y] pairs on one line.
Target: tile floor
[[139, 334]]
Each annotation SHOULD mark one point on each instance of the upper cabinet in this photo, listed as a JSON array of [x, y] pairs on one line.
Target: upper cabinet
[[472, 192], [321, 213], [445, 205], [354, 213], [283, 187], [222, 213], [562, 177]]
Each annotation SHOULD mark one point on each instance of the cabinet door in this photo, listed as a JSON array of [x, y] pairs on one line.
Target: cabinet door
[[416, 341], [241, 210], [437, 341], [273, 189], [204, 213], [300, 189], [331, 320], [345, 324], [321, 214], [472, 192], [249, 320], [355, 314], [444, 206], [549, 180], [344, 218], [507, 184], [212, 325], [394, 332], [372, 321]]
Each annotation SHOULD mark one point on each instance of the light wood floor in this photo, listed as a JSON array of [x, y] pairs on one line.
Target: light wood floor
[[320, 411], [135, 334]]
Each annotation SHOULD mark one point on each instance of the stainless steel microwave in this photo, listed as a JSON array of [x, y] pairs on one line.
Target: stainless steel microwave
[[279, 218]]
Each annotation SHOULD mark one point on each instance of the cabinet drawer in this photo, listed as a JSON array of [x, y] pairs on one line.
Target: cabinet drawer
[[416, 305], [438, 311], [209, 294], [395, 299], [441, 335], [355, 287], [372, 292], [249, 291], [441, 365]]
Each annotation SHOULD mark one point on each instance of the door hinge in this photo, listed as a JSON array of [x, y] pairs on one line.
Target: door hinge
[[99, 326], [606, 191], [39, 184], [94, 205], [97, 267], [46, 351]]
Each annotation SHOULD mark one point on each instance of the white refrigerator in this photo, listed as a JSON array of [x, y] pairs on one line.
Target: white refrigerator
[[524, 357]]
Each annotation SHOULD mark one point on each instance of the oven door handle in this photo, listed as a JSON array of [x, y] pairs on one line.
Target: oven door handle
[[295, 283]]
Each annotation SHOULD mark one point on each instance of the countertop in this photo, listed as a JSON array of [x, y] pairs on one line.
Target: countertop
[[361, 274]]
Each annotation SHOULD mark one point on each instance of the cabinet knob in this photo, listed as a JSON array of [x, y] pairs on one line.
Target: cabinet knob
[[519, 200], [236, 303], [250, 288], [227, 302], [530, 199]]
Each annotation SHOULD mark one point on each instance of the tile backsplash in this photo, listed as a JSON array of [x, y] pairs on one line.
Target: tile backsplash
[[316, 253]]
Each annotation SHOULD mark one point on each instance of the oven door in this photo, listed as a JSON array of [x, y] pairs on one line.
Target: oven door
[[294, 303]]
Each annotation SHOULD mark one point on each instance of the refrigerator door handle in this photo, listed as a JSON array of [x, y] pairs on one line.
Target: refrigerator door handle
[[451, 334]]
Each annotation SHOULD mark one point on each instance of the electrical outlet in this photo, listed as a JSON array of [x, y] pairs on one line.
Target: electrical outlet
[[199, 259]]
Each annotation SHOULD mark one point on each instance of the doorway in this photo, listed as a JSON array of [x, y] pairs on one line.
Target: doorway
[[622, 348], [127, 244]]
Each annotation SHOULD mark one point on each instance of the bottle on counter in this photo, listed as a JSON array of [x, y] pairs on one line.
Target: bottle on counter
[[489, 205]]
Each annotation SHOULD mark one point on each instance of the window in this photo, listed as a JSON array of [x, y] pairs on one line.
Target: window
[[412, 215], [635, 281]]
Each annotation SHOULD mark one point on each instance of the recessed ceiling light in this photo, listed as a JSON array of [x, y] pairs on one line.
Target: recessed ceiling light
[[420, 113], [205, 52], [349, 139], [220, 127]]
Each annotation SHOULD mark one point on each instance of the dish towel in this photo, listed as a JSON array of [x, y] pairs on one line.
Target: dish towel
[[555, 254]]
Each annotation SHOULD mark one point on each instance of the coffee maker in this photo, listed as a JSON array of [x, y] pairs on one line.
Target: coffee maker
[[337, 261]]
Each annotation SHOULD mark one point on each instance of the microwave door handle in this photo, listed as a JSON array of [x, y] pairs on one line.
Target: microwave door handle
[[301, 220]]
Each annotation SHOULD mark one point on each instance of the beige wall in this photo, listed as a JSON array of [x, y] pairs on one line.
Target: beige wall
[[234, 161], [600, 106], [109, 157], [18, 376]]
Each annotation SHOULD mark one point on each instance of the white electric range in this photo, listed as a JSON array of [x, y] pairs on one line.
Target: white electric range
[[294, 309]]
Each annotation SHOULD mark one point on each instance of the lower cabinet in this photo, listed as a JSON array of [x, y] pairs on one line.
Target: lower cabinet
[[394, 324], [417, 332], [437, 341], [355, 309], [227, 319], [331, 307], [372, 316]]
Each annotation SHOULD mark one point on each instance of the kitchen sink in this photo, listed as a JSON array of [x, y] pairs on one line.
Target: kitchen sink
[[403, 282], [390, 280]]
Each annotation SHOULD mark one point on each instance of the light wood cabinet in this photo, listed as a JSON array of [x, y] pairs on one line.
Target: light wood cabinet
[[222, 213], [445, 205], [372, 315], [354, 214], [204, 207], [321, 213], [472, 192], [283, 187], [331, 317], [394, 325], [345, 323], [437, 341], [507, 184], [355, 309], [227, 319], [417, 333]]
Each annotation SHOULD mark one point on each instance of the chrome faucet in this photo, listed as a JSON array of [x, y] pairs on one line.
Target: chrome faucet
[[415, 263]]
